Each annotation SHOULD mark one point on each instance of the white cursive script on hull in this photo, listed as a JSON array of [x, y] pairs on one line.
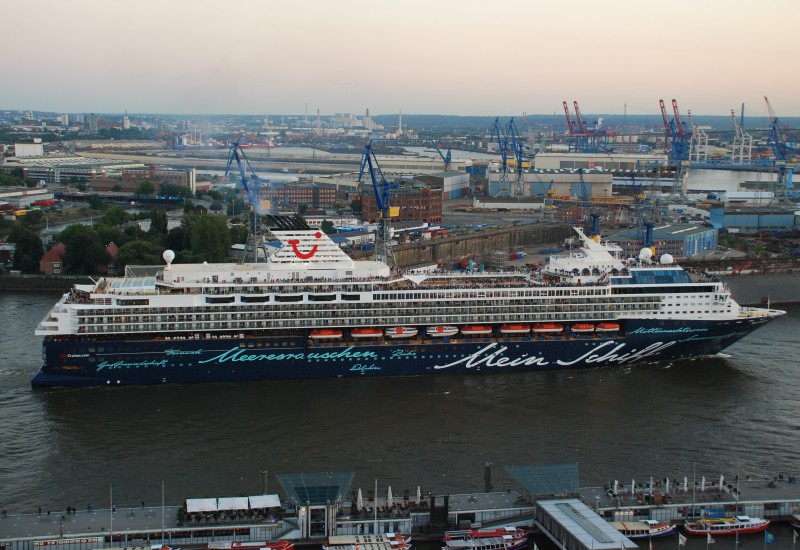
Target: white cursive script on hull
[[494, 356]]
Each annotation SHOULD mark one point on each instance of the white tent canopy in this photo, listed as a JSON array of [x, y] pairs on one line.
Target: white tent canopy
[[265, 501], [233, 503], [201, 505]]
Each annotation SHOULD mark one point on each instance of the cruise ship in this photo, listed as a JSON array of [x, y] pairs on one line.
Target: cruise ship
[[312, 311]]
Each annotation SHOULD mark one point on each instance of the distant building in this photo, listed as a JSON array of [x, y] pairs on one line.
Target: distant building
[[52, 263], [762, 219], [158, 175], [28, 149], [454, 184], [679, 240], [416, 201]]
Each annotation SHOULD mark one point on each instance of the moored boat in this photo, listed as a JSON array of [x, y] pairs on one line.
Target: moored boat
[[515, 328], [741, 525], [548, 328], [366, 332], [401, 332], [476, 330], [228, 545], [504, 538], [379, 541], [646, 528], [325, 334], [607, 327], [582, 327], [441, 331]]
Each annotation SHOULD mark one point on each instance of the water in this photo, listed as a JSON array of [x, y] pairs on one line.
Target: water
[[67, 447]]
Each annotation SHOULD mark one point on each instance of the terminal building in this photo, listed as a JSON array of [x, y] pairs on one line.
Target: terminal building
[[764, 219], [678, 240]]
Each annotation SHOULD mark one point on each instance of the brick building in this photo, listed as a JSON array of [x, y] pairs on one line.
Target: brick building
[[417, 202], [315, 196], [132, 177]]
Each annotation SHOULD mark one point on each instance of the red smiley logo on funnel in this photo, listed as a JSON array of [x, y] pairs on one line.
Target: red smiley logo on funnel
[[304, 255]]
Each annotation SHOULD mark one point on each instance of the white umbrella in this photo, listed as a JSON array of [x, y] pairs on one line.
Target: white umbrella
[[389, 501], [703, 484], [360, 500], [419, 495], [685, 484]]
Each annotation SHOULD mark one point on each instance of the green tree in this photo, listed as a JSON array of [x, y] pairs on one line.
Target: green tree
[[146, 187], [327, 227], [33, 217], [171, 190], [138, 253], [177, 239], [84, 251], [114, 216], [95, 202], [302, 208], [217, 206], [108, 235], [211, 239], [158, 222], [239, 234], [28, 250], [355, 206]]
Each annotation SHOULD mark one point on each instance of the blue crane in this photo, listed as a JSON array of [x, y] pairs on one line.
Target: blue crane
[[500, 135], [252, 185], [447, 159], [382, 189], [783, 152]]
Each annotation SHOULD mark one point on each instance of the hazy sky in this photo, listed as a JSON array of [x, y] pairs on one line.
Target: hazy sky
[[467, 57]]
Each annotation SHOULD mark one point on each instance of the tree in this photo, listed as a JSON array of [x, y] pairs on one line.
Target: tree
[[217, 206], [95, 202], [33, 217], [116, 188], [28, 250], [108, 235], [84, 251], [211, 239], [302, 208], [114, 216], [146, 187], [327, 227], [239, 234], [355, 206], [158, 222], [138, 253]]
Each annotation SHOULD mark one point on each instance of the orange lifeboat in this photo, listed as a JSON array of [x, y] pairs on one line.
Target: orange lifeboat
[[548, 328], [325, 334], [607, 327], [401, 332], [518, 328], [366, 332], [476, 330], [441, 331], [582, 327]]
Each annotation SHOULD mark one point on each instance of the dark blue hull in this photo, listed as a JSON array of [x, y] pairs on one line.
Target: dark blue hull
[[69, 362]]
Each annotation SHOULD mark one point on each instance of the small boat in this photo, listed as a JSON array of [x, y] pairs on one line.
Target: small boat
[[401, 332], [228, 545], [518, 328], [607, 327], [366, 332], [441, 331], [640, 529], [476, 330], [582, 327], [548, 328], [504, 538], [378, 541], [741, 525], [325, 334]]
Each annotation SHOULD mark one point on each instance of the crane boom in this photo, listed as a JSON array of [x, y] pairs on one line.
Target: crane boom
[[570, 128], [667, 128], [678, 122], [581, 125]]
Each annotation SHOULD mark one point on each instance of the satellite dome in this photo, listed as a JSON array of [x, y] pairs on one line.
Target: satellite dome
[[168, 256], [667, 259], [645, 254]]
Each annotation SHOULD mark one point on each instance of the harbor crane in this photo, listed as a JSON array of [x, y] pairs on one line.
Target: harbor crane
[[382, 189], [447, 159], [582, 139], [698, 143], [252, 185], [742, 150], [517, 148], [498, 134], [782, 151]]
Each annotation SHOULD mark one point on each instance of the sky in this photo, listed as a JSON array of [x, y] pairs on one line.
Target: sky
[[458, 57]]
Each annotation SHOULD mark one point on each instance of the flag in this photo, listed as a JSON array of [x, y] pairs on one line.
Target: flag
[[709, 540], [768, 537], [681, 540]]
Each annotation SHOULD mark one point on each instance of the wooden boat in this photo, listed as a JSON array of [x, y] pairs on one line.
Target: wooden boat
[[582, 327], [607, 327], [476, 330], [441, 331], [366, 332], [401, 332], [726, 526], [325, 334], [548, 328], [641, 529], [516, 328]]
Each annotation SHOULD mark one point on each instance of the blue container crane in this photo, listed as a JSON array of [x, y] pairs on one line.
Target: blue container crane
[[382, 189]]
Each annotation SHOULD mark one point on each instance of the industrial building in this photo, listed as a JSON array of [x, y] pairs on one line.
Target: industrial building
[[604, 161], [416, 201], [679, 240], [565, 183], [768, 219], [454, 184]]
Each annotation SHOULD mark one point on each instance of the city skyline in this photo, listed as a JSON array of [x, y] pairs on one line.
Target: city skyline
[[442, 57]]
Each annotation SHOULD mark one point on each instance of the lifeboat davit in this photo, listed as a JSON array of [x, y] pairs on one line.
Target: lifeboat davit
[[325, 334], [401, 332], [582, 327], [476, 330], [441, 331], [607, 327], [518, 328], [366, 332], [548, 328]]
